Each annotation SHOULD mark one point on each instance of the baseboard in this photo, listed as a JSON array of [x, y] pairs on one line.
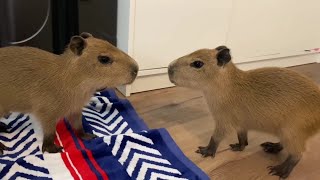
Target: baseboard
[[147, 83], [160, 79], [281, 62]]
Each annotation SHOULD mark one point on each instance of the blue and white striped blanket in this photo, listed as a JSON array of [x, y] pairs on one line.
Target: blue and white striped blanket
[[125, 148]]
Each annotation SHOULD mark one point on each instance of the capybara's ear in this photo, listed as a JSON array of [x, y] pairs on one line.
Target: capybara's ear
[[77, 45], [223, 55], [85, 35]]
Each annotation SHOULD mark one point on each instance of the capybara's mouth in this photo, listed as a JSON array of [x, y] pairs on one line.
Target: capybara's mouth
[[130, 82], [102, 89], [171, 80], [133, 78]]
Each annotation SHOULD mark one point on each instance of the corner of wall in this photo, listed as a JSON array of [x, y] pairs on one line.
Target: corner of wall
[[125, 90]]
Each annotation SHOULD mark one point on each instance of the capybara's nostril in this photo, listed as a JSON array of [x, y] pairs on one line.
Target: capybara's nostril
[[135, 71], [170, 70]]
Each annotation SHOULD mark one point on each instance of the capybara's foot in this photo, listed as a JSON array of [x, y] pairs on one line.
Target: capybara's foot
[[87, 136], [7, 115], [237, 147], [51, 148], [2, 148], [284, 169], [206, 151], [209, 150], [272, 148], [4, 127]]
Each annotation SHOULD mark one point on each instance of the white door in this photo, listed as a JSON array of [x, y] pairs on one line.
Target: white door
[[167, 29]]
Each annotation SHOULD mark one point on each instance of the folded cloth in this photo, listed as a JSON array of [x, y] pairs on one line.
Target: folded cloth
[[124, 149]]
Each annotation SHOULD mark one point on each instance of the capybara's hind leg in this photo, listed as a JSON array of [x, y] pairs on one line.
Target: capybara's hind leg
[[295, 145], [2, 148], [75, 120], [3, 126], [48, 123]]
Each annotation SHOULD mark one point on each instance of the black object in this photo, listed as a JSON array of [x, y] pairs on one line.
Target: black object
[[99, 17], [20, 19], [4, 33], [65, 23]]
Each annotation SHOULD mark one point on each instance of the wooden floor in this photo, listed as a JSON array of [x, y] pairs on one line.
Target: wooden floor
[[184, 113]]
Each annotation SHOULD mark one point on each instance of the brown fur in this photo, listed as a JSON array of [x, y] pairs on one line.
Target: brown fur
[[274, 100], [55, 86]]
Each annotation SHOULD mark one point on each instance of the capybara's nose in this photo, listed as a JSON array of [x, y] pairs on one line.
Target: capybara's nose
[[135, 70], [170, 70]]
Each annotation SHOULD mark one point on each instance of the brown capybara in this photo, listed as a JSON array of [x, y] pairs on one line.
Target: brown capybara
[[55, 86], [275, 100]]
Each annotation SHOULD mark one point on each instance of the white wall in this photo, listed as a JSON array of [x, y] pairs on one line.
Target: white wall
[[167, 29], [164, 30], [273, 27], [124, 25]]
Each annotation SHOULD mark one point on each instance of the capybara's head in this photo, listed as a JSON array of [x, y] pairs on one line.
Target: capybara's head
[[100, 63], [200, 68]]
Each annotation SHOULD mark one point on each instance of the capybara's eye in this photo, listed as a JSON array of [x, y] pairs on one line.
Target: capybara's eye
[[104, 60], [197, 64]]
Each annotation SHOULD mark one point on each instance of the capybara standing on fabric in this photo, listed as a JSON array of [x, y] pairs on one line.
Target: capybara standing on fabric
[[55, 86]]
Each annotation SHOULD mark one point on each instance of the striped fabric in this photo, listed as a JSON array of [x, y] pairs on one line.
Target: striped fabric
[[125, 147]]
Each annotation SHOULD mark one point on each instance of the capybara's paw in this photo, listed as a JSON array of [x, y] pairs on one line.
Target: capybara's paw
[[272, 148], [284, 169], [206, 151], [2, 148], [4, 127], [280, 170], [7, 115], [87, 136], [237, 147], [51, 148]]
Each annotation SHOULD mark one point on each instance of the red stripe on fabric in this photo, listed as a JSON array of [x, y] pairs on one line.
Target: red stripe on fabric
[[94, 162], [66, 160], [68, 165], [89, 153], [75, 155]]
